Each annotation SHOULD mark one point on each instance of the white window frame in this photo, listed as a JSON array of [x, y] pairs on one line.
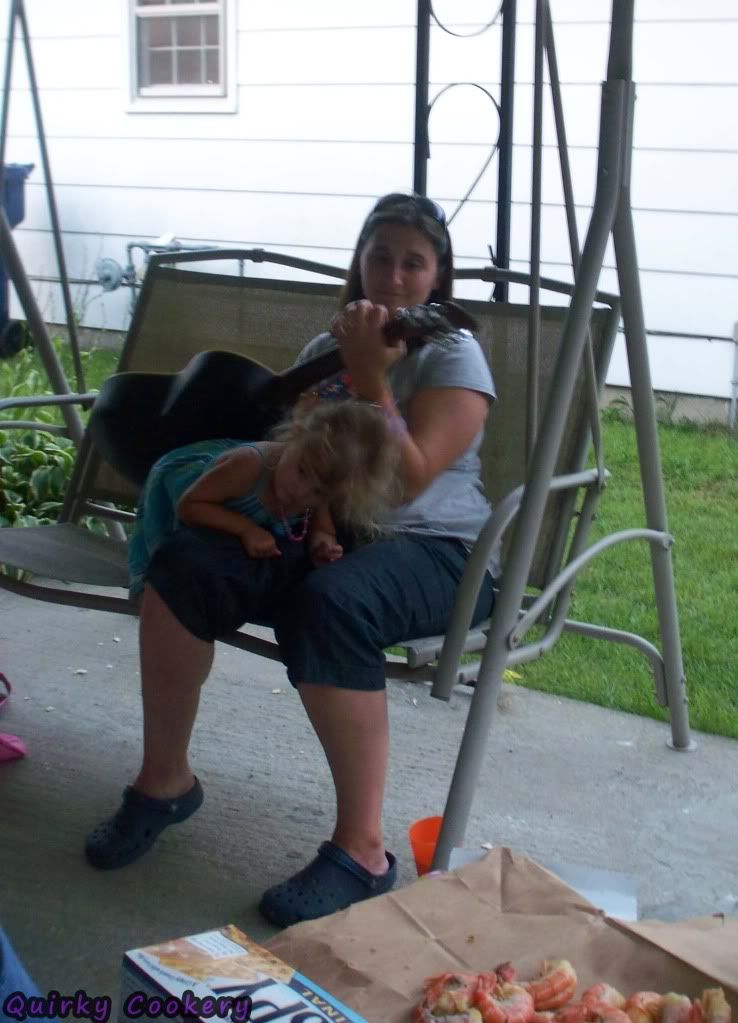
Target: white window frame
[[221, 98]]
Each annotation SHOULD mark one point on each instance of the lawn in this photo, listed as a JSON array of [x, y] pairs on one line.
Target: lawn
[[700, 468], [701, 473]]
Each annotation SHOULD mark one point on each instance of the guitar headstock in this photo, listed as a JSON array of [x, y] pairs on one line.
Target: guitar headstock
[[431, 322]]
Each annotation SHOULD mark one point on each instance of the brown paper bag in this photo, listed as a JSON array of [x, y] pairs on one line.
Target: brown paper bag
[[375, 956]]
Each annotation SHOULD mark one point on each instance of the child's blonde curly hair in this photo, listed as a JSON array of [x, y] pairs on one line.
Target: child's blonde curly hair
[[350, 448]]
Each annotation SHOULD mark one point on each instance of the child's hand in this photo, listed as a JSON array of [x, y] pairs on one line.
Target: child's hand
[[323, 548], [259, 543]]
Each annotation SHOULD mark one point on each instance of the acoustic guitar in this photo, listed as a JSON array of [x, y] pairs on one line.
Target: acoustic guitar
[[138, 417]]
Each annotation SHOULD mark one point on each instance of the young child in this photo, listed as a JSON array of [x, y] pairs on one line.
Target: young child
[[339, 460]]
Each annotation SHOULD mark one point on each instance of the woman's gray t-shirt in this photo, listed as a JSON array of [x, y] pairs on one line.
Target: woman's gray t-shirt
[[454, 504]]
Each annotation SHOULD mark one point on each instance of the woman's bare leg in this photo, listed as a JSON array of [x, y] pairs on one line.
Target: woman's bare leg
[[174, 665], [353, 728]]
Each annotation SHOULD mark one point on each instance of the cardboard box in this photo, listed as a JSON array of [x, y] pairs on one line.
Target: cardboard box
[[221, 974]]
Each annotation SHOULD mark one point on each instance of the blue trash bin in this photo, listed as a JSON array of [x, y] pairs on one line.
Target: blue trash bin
[[12, 333]]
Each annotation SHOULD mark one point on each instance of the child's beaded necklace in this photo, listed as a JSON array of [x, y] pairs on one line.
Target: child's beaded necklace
[[295, 537]]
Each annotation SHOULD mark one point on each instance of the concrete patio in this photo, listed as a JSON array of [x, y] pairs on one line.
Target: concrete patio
[[564, 781]]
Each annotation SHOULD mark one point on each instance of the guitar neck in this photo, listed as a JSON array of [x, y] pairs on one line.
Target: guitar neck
[[410, 326], [289, 385]]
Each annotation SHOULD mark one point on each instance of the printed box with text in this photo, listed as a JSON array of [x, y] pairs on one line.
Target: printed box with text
[[221, 974]]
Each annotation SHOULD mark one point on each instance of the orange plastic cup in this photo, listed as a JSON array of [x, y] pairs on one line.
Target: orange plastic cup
[[423, 835]]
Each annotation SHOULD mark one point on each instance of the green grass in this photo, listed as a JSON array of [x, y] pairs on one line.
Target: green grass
[[700, 468], [701, 475]]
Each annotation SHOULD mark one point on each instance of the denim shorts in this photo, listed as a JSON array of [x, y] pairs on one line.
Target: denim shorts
[[332, 623]]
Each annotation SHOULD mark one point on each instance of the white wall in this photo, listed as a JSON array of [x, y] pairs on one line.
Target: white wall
[[324, 123]]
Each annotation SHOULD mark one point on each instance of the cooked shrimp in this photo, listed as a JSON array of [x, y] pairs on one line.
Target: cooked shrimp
[[601, 1012], [602, 994], [448, 997], [712, 1007], [502, 1003], [506, 973], [423, 1014], [676, 1008], [544, 1016], [574, 1012], [554, 986], [644, 1007]]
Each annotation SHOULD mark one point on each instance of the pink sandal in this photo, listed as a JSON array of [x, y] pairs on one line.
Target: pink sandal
[[11, 747]]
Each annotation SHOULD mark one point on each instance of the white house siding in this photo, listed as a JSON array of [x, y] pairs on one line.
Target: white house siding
[[324, 123]]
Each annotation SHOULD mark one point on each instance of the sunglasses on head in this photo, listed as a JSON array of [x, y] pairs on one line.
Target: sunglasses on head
[[400, 200]]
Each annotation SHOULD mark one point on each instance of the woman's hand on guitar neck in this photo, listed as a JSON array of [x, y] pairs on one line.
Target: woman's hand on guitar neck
[[360, 331]]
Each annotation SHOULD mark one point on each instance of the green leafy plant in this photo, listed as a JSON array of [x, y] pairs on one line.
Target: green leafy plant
[[34, 469], [35, 464]]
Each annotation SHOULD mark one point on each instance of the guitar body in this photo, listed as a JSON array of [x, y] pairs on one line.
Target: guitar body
[[138, 417]]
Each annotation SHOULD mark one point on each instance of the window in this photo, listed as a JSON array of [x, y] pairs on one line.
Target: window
[[180, 49]]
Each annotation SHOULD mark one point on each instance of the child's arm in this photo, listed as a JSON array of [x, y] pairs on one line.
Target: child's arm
[[322, 545], [232, 476]]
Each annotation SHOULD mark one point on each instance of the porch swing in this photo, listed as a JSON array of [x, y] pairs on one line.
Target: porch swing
[[549, 364]]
